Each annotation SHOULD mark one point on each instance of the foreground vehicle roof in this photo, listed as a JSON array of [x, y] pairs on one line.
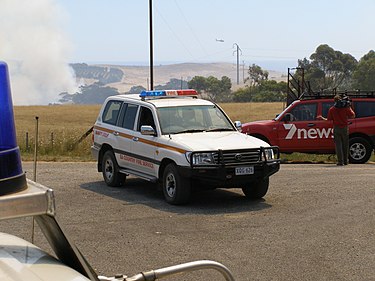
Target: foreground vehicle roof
[[21, 260]]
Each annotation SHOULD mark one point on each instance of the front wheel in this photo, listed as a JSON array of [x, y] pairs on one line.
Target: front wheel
[[110, 170], [176, 189], [257, 189], [359, 150]]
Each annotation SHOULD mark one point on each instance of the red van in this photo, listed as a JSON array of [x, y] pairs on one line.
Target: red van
[[300, 128]]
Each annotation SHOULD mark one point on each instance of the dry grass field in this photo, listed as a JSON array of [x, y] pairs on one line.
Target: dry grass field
[[61, 126]]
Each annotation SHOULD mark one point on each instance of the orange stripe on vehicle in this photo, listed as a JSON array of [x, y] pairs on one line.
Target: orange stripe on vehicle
[[153, 143]]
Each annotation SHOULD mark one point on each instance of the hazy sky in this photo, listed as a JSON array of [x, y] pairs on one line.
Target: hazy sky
[[39, 38], [186, 30]]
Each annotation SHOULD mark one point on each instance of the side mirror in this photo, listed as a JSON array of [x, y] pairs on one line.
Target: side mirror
[[238, 125], [147, 130]]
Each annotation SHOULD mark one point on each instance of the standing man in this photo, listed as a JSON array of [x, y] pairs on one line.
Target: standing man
[[339, 114]]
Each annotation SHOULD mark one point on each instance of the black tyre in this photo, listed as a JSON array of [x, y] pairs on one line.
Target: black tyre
[[110, 170], [360, 150], [257, 189], [176, 189]]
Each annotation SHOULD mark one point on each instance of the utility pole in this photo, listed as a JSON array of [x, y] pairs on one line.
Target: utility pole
[[151, 49], [243, 71], [238, 50]]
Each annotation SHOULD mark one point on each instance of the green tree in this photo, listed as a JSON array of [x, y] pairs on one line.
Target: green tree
[[328, 69], [198, 83], [260, 88], [215, 89], [266, 91], [136, 89], [91, 94], [256, 75], [364, 75], [173, 84]]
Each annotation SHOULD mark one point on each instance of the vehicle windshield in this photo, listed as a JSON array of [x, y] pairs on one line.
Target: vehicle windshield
[[191, 119], [277, 118]]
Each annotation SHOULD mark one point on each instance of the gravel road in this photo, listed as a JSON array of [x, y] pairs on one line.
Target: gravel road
[[316, 223]]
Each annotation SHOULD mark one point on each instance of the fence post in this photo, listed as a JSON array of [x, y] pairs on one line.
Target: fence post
[[27, 141], [52, 140]]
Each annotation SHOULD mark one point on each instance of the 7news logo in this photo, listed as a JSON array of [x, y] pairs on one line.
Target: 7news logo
[[307, 134]]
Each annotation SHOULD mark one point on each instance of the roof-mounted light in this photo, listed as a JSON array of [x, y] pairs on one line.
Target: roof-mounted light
[[166, 93], [12, 178]]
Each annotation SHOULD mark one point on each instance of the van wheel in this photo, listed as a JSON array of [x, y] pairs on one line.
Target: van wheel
[[110, 170], [257, 190], [359, 150], [176, 189]]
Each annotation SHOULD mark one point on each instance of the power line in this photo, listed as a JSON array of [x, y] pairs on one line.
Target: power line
[[191, 29], [171, 30]]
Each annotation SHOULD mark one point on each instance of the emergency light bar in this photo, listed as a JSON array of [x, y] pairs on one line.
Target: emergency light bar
[[165, 93], [12, 178]]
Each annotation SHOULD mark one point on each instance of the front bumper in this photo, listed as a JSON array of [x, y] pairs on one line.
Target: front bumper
[[223, 172], [226, 177]]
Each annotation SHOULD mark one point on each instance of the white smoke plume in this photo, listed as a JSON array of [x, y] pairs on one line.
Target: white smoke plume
[[36, 50]]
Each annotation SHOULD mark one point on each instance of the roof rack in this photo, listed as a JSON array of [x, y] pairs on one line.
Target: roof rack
[[330, 94]]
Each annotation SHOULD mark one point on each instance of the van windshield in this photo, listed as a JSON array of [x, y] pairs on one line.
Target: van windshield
[[189, 119], [278, 116]]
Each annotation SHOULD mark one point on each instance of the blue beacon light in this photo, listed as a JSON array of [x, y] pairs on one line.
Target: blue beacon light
[[12, 178]]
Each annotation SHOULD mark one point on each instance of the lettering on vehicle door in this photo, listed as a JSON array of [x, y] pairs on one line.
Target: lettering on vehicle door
[[311, 133]]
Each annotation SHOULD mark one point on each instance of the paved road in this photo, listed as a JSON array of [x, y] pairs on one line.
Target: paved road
[[316, 223]]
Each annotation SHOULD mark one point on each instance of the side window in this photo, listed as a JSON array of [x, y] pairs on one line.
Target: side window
[[364, 109], [145, 118], [325, 107], [111, 112], [304, 112], [127, 118]]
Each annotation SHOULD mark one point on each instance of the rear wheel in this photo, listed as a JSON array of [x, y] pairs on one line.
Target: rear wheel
[[110, 170], [257, 189], [176, 189], [359, 150]]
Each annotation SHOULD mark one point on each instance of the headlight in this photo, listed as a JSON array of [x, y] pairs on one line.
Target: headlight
[[203, 158], [268, 154], [187, 155]]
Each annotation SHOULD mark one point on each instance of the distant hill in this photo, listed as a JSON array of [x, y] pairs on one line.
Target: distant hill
[[103, 74], [123, 78]]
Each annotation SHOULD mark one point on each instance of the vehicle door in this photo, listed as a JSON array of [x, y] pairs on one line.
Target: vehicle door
[[144, 147], [107, 131], [299, 130], [364, 120], [125, 132]]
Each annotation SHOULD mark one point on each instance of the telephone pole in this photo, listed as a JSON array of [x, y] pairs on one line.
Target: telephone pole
[[151, 49], [238, 50]]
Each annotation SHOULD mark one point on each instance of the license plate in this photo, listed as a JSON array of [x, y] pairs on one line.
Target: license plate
[[244, 171]]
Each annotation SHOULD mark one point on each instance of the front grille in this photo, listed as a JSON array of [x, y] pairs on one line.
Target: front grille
[[237, 157]]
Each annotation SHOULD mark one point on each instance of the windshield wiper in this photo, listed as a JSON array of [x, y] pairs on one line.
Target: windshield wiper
[[219, 129], [190, 131]]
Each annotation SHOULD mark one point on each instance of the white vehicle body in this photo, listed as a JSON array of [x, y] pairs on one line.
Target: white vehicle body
[[21, 260], [193, 135]]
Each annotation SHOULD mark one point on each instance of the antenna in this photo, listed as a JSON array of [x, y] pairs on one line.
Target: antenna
[[12, 178]]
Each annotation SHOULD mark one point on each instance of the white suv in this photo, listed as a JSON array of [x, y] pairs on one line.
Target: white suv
[[181, 141]]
